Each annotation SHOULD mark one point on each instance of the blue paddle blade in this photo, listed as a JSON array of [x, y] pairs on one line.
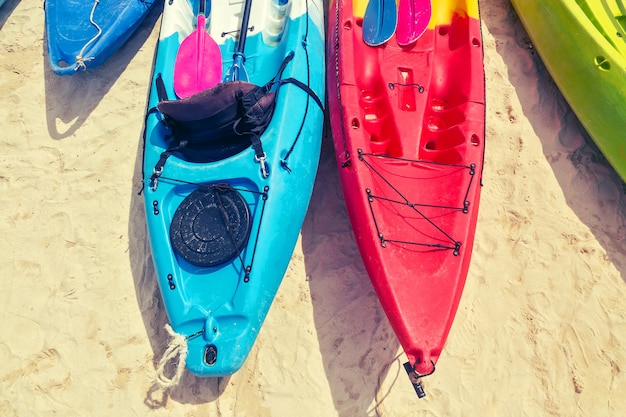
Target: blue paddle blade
[[379, 22]]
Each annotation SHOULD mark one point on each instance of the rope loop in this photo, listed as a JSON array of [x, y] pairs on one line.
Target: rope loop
[[176, 348], [80, 60]]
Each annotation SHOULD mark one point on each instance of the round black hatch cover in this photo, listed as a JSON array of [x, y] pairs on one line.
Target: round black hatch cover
[[211, 226]]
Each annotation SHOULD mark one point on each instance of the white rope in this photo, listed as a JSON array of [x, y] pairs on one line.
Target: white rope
[[176, 347], [80, 60]]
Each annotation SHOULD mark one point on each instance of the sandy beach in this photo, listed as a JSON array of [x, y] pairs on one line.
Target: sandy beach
[[541, 329]]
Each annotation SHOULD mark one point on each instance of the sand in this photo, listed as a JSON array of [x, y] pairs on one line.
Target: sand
[[541, 329]]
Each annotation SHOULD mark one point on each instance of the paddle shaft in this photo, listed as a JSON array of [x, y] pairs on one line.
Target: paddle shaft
[[201, 22], [243, 33], [237, 71]]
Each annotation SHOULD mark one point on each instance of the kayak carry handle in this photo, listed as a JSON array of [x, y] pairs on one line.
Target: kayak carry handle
[[415, 378]]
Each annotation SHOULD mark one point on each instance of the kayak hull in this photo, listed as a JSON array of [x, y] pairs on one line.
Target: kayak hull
[[220, 308], [408, 128], [84, 34]]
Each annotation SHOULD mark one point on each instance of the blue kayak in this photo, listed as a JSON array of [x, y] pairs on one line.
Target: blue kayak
[[223, 216], [82, 34]]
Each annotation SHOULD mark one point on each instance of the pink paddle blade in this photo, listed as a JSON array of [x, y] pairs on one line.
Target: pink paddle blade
[[198, 64], [413, 20]]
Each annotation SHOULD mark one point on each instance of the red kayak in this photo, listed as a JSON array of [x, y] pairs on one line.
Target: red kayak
[[408, 124]]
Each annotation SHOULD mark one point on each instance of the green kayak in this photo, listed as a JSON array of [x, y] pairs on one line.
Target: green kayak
[[583, 45]]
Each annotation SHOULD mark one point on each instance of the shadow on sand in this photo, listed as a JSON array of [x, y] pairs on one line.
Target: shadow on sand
[[356, 340], [592, 189], [6, 10], [191, 390], [71, 99]]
